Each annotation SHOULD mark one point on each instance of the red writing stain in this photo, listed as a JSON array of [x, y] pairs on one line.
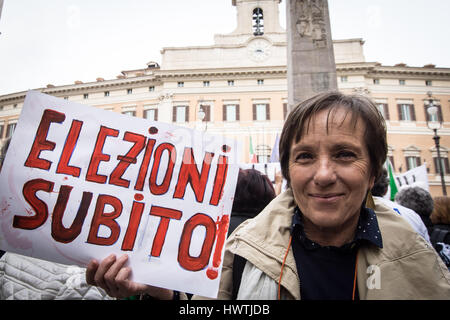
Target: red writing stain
[[4, 209], [221, 235]]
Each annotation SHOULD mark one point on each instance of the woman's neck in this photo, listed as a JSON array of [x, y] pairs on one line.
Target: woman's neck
[[335, 237]]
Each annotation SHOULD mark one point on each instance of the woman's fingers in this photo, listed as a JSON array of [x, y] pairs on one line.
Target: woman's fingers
[[90, 272], [110, 277], [104, 266]]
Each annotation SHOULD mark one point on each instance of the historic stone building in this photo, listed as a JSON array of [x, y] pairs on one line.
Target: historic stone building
[[240, 84]]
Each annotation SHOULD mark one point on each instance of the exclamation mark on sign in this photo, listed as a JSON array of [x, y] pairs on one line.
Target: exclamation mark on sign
[[221, 235]]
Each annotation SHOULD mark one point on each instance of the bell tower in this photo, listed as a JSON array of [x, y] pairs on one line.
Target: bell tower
[[255, 18]]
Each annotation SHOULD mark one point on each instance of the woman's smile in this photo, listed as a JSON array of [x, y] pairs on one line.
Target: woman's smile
[[326, 197]]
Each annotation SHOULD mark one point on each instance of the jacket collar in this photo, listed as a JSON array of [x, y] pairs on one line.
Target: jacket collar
[[367, 230]]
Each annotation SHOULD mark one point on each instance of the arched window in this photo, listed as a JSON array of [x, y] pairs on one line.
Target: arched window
[[258, 22]]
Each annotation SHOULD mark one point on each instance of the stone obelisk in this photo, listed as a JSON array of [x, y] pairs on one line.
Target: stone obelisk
[[311, 67]]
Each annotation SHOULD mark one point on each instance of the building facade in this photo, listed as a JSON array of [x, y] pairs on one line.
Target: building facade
[[240, 84]]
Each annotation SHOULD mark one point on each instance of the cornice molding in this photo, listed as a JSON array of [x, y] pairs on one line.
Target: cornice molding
[[368, 69], [220, 73]]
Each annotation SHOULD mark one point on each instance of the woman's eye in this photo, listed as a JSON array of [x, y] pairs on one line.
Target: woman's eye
[[304, 156], [346, 155]]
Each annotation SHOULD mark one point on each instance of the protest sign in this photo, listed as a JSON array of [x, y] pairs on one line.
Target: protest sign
[[79, 183], [417, 176]]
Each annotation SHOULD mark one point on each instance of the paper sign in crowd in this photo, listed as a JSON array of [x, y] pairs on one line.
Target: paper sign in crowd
[[80, 183]]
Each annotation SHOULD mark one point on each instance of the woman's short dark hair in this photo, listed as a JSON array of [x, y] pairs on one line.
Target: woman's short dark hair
[[358, 106], [253, 192]]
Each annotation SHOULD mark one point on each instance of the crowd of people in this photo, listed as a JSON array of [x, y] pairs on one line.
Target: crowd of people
[[317, 239]]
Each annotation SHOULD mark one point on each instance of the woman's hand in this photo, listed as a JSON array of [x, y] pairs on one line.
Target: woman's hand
[[278, 182], [112, 276]]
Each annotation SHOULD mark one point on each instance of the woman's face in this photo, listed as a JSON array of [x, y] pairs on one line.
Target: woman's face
[[330, 172]]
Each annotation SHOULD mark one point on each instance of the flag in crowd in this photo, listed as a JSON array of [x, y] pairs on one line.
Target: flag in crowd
[[392, 184], [253, 158], [275, 156]]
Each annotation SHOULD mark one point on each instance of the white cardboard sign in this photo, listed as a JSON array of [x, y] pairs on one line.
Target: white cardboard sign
[[79, 183]]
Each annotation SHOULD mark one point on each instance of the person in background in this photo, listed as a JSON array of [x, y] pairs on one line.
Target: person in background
[[440, 231], [253, 193], [419, 200], [440, 217], [278, 182], [379, 190]]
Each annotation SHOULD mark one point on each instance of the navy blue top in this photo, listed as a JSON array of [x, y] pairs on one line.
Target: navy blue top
[[327, 273]]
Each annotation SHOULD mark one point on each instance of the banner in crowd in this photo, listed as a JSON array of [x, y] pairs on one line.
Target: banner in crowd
[[80, 182], [417, 176]]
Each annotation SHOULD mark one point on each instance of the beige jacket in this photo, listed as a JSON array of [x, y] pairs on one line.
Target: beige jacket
[[407, 267]]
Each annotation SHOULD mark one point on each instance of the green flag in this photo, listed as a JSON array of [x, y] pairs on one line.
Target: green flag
[[392, 184], [253, 158]]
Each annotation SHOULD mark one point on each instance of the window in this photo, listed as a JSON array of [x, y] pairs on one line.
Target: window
[[86, 96], [285, 110], [206, 83], [15, 106], [412, 162], [428, 83], [2, 128], [180, 114], [376, 81], [129, 113], [129, 91], [261, 112], [180, 84], [230, 83], [344, 79], [401, 82], [66, 98], [260, 82], [231, 112], [106, 94], [444, 163], [384, 110], [406, 112], [10, 129], [151, 114], [258, 22], [151, 88]]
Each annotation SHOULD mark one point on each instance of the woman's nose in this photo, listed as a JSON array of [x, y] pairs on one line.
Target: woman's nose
[[325, 173]]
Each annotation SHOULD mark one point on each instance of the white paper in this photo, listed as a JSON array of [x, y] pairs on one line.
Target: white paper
[[30, 191]]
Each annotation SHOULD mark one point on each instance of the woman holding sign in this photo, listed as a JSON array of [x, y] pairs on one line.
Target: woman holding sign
[[324, 237]]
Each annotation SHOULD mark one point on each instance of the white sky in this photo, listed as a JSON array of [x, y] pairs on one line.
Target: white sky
[[60, 41]]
